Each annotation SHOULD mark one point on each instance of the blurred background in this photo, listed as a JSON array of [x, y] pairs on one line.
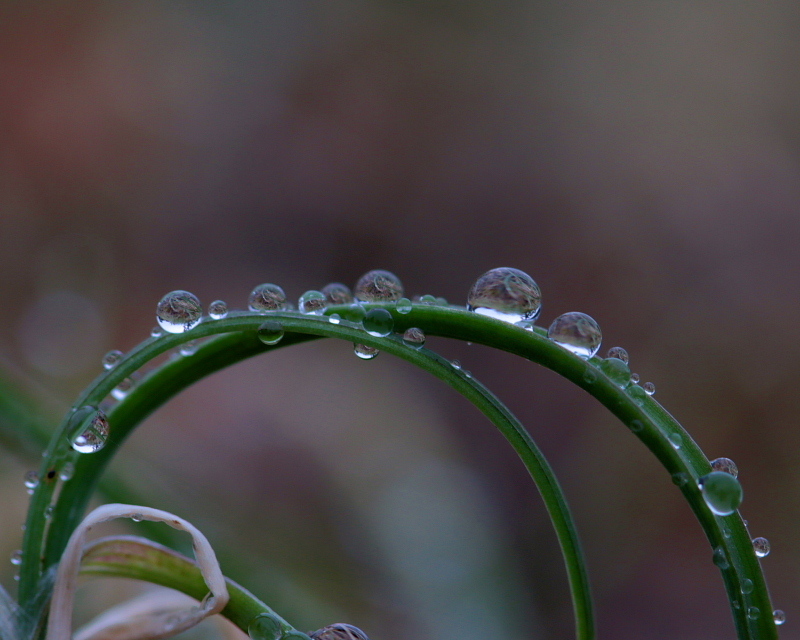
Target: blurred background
[[641, 160]]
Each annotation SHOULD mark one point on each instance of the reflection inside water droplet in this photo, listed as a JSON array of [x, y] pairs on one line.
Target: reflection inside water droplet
[[267, 297], [619, 353], [337, 293], [506, 294], [365, 352], [217, 310], [90, 429], [414, 337], [576, 332], [112, 358], [404, 306], [761, 547], [721, 492], [726, 465], [378, 286], [312, 302], [270, 332], [378, 322], [178, 311]]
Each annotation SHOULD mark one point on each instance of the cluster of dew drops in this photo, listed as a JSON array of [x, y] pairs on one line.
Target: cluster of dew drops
[[505, 294]]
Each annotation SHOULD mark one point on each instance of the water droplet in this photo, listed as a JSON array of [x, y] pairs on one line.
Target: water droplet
[[267, 297], [506, 294], [48, 511], [636, 426], [576, 332], [747, 586], [676, 440], [680, 479], [403, 305], [779, 617], [753, 613], [720, 558], [456, 364], [428, 299], [217, 310], [264, 627], [312, 302], [365, 352], [721, 492], [156, 332], [136, 517], [334, 318], [16, 557], [66, 471], [528, 325], [354, 313], [31, 480], [725, 464], [414, 337], [123, 388], [635, 378], [637, 394], [188, 348], [89, 427], [590, 375], [617, 371], [339, 631], [649, 388], [761, 547], [378, 286], [111, 358], [178, 311], [442, 302], [378, 322], [619, 353], [337, 293], [737, 605], [270, 332]]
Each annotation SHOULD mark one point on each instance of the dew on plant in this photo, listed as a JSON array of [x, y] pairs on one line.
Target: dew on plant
[[747, 586], [680, 479], [354, 313], [188, 348], [506, 294], [576, 332], [779, 617], [217, 310], [267, 297], [428, 299], [676, 440], [264, 627], [123, 389], [365, 352], [414, 337], [721, 492], [66, 471], [721, 558], [525, 324], [753, 613], [636, 426], [726, 465], [619, 353], [89, 426], [31, 480], [337, 293], [136, 517], [442, 302], [378, 286], [156, 332], [339, 631], [635, 378], [590, 375], [48, 511], [637, 394], [403, 305], [312, 302], [334, 318], [270, 332], [111, 359], [456, 364], [178, 311], [378, 322], [649, 388], [761, 547], [16, 557], [617, 371]]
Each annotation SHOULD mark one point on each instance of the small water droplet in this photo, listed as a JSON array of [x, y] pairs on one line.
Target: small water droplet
[[16, 557], [354, 313], [111, 358], [188, 348], [48, 512], [649, 388], [267, 297], [428, 299], [747, 586], [590, 375], [365, 352], [178, 311], [66, 472], [576, 332], [312, 302], [637, 394], [635, 378], [721, 492], [619, 353], [725, 464], [136, 517], [779, 617], [217, 310], [378, 286], [378, 322], [403, 305], [337, 293], [89, 428], [676, 440], [270, 332], [528, 325], [617, 371], [456, 364], [442, 302], [761, 547], [123, 388], [31, 480], [414, 337], [636, 426], [264, 627], [720, 558], [680, 479], [334, 318], [737, 605], [156, 332], [506, 294], [753, 613]]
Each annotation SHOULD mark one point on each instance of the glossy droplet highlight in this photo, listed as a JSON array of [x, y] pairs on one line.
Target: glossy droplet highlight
[[506, 294], [428, 299], [721, 559], [188, 348], [725, 465], [649, 388], [617, 371], [111, 359], [313, 302], [576, 332], [156, 332], [761, 547], [16, 557], [266, 297], [365, 352], [31, 480], [334, 318], [123, 389], [637, 394], [217, 310], [339, 631], [635, 378], [178, 311], [378, 286], [676, 440], [264, 627], [91, 430], [337, 293], [619, 353], [779, 617], [403, 305], [378, 322], [747, 586], [66, 471], [270, 332], [721, 492], [414, 337]]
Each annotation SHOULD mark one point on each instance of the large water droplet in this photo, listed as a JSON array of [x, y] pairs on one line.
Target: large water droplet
[[378, 286], [761, 547], [414, 337], [617, 371], [576, 332], [619, 353], [779, 617], [16, 557], [365, 352], [337, 293], [721, 492], [404, 305], [89, 428], [178, 311], [66, 471], [217, 310], [264, 627], [111, 359], [267, 297], [123, 388], [507, 294], [312, 302], [720, 558], [354, 313], [378, 322], [747, 586], [339, 631], [270, 332], [726, 465]]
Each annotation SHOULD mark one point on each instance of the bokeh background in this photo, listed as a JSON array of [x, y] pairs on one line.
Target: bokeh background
[[640, 159]]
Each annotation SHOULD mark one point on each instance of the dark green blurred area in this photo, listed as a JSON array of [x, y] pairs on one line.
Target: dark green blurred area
[[641, 160]]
